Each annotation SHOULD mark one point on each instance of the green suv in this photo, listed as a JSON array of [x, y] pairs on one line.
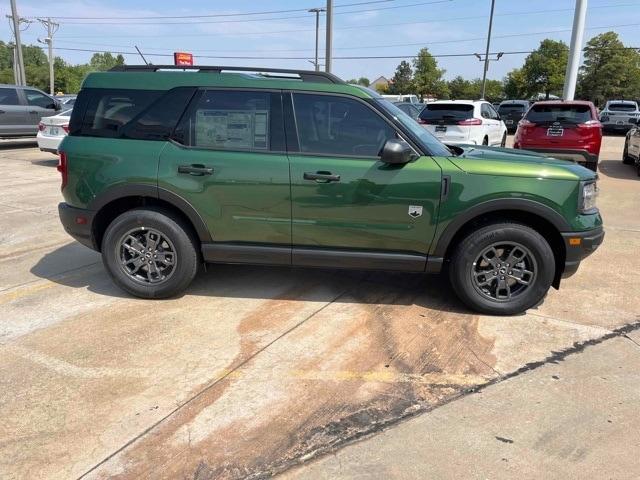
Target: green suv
[[165, 169]]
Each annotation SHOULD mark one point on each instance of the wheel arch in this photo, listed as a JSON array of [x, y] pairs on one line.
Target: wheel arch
[[120, 199], [541, 218]]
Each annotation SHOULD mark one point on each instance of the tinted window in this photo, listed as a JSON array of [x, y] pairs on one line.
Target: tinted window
[[38, 99], [9, 96], [409, 109], [108, 111], [511, 108], [158, 121], [230, 120], [573, 114], [622, 107], [339, 126], [447, 111]]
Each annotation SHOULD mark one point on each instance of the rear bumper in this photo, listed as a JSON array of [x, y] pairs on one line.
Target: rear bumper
[[579, 245], [77, 222], [575, 155], [614, 127]]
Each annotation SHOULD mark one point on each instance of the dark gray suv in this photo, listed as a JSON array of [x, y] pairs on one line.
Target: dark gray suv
[[21, 109], [512, 111]]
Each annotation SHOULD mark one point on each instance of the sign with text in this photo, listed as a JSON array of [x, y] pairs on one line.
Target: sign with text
[[182, 59]]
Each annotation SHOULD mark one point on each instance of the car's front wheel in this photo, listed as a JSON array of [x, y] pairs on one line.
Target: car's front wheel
[[502, 268], [504, 140], [150, 253], [626, 159]]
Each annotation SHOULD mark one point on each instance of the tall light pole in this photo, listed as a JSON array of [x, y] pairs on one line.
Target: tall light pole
[[486, 54], [577, 36], [52, 28], [19, 64], [317, 12], [328, 50]]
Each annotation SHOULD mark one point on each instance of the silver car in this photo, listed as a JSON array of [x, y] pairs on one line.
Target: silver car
[[616, 115], [21, 109]]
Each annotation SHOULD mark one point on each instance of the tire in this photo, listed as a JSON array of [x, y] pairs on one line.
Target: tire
[[504, 141], [467, 260], [176, 262], [626, 159], [485, 141]]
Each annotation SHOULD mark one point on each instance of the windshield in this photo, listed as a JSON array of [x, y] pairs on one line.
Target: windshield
[[622, 107], [514, 107], [573, 114], [435, 147]]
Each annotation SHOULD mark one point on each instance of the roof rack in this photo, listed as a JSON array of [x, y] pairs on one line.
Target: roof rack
[[305, 75]]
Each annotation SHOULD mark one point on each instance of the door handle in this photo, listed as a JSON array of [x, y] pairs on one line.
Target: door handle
[[322, 176], [196, 170]]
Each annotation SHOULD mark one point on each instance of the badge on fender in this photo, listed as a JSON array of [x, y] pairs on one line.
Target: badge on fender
[[415, 211]]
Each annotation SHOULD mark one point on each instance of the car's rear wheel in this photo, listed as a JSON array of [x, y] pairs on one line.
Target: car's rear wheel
[[504, 140], [485, 141], [626, 159], [150, 253], [502, 269]]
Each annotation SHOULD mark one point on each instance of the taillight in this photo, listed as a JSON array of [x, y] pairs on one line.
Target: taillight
[[422, 122], [470, 121], [590, 124], [40, 126], [65, 128], [63, 169], [526, 123]]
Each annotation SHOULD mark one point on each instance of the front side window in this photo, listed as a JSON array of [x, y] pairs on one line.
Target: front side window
[[333, 125], [229, 120], [9, 96], [38, 99]]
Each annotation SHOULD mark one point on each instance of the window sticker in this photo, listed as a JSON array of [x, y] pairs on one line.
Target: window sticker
[[232, 129]]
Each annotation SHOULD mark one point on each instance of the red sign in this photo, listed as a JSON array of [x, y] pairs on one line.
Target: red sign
[[182, 58]]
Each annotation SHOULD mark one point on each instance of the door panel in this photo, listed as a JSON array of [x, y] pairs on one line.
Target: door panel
[[14, 115], [369, 207], [232, 167]]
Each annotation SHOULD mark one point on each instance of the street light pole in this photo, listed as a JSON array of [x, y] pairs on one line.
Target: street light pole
[[317, 12], [486, 55], [19, 64], [577, 36], [328, 50]]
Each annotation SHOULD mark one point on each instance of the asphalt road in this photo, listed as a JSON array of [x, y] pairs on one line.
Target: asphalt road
[[254, 369]]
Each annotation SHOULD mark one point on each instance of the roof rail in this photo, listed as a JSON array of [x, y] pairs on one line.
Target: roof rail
[[305, 75]]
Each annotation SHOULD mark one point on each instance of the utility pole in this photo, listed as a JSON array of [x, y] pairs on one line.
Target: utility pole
[[328, 50], [577, 37], [18, 65], [52, 28], [317, 12], [486, 53]]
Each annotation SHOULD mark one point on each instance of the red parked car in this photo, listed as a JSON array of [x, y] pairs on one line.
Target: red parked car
[[566, 130]]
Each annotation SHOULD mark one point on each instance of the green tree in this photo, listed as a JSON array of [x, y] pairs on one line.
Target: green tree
[[515, 85], [544, 68], [105, 61], [427, 77], [402, 81], [460, 89], [609, 71], [364, 81]]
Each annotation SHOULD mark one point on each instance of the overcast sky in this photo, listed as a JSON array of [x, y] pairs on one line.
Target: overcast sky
[[397, 28]]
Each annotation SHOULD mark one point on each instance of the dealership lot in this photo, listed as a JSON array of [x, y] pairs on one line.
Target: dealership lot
[[255, 368]]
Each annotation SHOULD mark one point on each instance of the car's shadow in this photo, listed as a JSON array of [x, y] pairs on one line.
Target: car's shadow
[[52, 162], [12, 143], [75, 266], [617, 169]]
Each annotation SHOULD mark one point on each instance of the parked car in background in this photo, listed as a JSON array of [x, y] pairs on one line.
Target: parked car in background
[[616, 115], [21, 109], [464, 122], [411, 109], [67, 100], [631, 153], [410, 98], [512, 111], [566, 130], [51, 131]]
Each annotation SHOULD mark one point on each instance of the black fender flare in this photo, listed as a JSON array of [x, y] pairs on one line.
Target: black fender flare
[[513, 204], [155, 192]]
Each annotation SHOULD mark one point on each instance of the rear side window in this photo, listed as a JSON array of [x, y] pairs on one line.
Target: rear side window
[[572, 114], [9, 96], [38, 99], [234, 121], [622, 107], [447, 111], [108, 111]]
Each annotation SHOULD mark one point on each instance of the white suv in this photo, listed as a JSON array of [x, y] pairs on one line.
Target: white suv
[[464, 121]]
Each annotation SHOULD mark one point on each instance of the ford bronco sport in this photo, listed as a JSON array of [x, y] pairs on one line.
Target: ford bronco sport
[[165, 170]]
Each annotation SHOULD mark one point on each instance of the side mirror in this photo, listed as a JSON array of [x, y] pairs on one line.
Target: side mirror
[[396, 152]]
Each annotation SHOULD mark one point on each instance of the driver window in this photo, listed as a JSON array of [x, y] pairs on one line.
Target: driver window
[[37, 99], [334, 125]]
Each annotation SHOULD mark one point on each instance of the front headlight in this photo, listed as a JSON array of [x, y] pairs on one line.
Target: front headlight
[[588, 196]]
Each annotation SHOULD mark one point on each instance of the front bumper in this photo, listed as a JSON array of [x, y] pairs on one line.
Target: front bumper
[[577, 155], [77, 222], [579, 245]]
